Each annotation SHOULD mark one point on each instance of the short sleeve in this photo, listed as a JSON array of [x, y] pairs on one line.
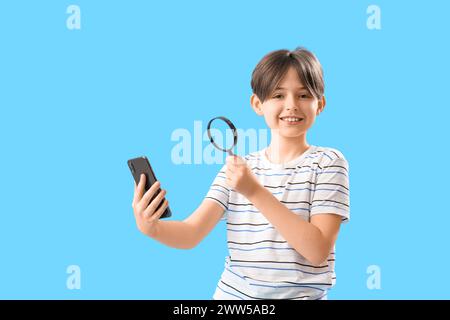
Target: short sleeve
[[219, 190], [332, 193]]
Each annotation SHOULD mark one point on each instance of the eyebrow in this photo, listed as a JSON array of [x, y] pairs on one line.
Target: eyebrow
[[281, 88]]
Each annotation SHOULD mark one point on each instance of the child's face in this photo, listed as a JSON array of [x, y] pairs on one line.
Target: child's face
[[290, 98]]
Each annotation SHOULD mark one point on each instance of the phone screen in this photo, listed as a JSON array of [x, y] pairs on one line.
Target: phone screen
[[139, 166]]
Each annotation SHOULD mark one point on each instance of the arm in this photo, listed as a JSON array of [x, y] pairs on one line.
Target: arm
[[177, 234], [313, 240], [190, 232]]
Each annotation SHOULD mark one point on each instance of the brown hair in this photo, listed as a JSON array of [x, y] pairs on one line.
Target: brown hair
[[273, 67]]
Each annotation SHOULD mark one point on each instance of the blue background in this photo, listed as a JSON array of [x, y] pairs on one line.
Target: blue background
[[76, 104]]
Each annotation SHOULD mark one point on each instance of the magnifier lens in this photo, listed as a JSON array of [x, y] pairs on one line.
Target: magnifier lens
[[222, 134]]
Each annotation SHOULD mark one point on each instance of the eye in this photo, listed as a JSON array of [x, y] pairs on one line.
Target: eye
[[304, 96], [278, 96]]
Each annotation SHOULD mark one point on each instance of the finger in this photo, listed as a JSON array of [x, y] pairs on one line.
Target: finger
[[154, 204], [235, 169], [239, 161], [231, 165], [229, 182], [151, 210], [141, 184], [160, 211], [134, 195], [149, 194], [234, 159], [230, 170], [139, 189]]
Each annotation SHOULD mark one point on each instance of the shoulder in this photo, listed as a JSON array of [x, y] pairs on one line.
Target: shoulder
[[328, 155]]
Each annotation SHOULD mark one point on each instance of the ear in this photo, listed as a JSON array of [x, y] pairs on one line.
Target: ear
[[321, 105], [256, 104]]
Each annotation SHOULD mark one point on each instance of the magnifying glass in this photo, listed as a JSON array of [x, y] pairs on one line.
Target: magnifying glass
[[221, 124]]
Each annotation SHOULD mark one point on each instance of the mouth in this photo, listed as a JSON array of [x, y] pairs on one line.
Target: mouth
[[291, 120]]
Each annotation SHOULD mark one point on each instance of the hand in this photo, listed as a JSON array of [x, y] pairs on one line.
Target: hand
[[240, 177], [147, 217]]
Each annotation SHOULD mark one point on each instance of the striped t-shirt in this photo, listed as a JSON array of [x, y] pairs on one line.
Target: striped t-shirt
[[261, 264]]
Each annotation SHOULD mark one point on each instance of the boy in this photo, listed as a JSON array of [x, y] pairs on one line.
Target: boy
[[284, 204]]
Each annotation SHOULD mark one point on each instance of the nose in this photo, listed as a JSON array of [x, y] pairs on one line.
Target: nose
[[291, 104]]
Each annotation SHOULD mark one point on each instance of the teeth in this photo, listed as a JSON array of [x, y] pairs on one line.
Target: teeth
[[291, 119]]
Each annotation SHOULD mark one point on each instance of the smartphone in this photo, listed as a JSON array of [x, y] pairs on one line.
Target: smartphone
[[140, 166]]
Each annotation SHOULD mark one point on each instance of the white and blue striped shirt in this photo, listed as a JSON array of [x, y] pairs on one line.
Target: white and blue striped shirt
[[261, 264]]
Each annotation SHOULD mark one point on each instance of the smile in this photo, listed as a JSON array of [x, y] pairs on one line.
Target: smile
[[291, 120]]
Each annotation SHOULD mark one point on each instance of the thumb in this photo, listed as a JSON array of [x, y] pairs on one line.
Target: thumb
[[239, 160]]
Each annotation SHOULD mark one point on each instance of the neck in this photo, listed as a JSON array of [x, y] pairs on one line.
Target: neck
[[284, 149]]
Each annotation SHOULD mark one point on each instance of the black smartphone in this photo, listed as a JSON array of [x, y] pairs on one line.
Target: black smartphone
[[140, 166]]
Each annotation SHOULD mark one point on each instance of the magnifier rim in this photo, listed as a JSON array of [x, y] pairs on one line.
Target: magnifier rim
[[230, 124]]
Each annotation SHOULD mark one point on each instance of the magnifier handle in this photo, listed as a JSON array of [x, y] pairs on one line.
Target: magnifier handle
[[230, 153]]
